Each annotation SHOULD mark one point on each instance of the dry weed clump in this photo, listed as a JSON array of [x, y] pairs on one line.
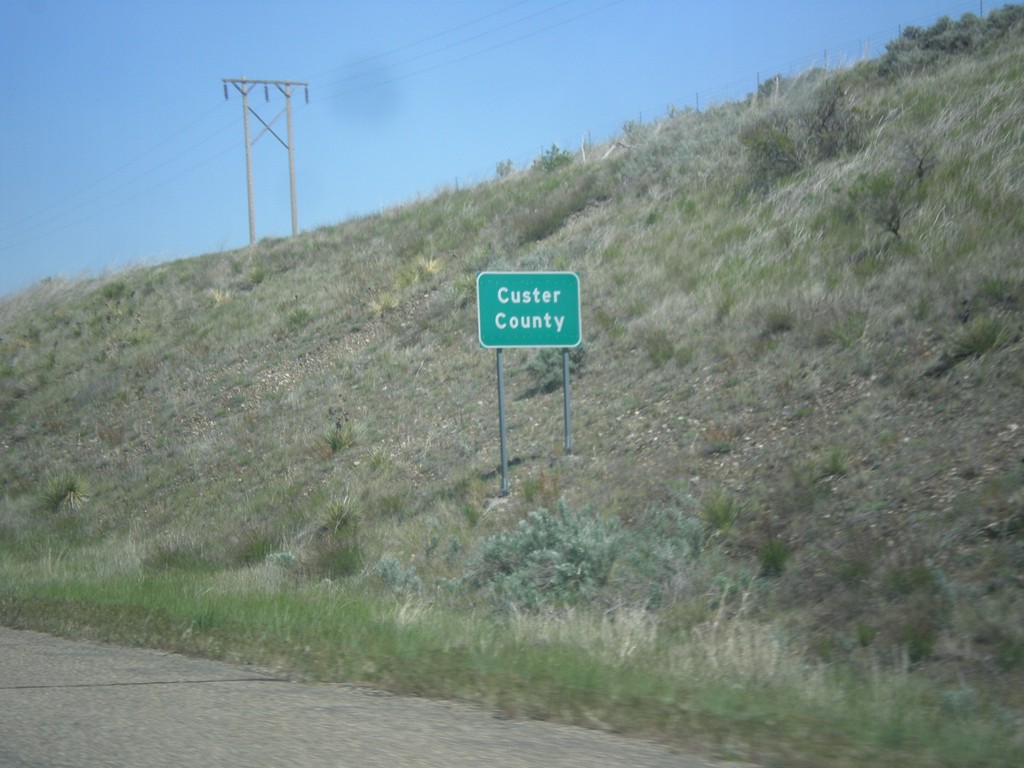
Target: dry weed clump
[[732, 648], [614, 637]]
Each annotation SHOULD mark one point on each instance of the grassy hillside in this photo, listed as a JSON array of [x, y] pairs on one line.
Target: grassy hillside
[[792, 529]]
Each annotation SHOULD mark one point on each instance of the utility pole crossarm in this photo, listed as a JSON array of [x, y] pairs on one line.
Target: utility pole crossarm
[[244, 85], [244, 80]]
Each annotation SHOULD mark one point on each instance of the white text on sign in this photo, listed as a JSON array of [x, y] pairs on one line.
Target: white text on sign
[[504, 320]]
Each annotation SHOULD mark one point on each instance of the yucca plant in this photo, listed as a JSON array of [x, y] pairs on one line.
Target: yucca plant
[[337, 438], [64, 492], [720, 510], [981, 335], [383, 303]]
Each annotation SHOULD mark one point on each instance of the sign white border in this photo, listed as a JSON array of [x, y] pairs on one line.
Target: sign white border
[[557, 345]]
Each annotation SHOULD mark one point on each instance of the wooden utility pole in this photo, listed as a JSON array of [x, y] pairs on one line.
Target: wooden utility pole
[[244, 85]]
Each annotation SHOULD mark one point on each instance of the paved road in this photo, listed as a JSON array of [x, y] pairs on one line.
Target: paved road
[[80, 705]]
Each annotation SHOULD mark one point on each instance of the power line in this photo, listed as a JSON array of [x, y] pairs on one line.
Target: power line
[[124, 201], [467, 56], [29, 232], [428, 38], [82, 190], [449, 46]]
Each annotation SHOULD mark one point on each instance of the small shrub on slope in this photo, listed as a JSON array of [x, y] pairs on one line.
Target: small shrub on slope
[[552, 159], [549, 558], [546, 368], [570, 558]]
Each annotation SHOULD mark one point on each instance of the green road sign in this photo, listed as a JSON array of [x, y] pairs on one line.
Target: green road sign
[[528, 309]]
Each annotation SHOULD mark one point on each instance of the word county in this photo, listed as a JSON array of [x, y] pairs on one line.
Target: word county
[[522, 319]]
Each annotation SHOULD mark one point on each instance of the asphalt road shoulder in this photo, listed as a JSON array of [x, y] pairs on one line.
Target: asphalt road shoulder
[[81, 704]]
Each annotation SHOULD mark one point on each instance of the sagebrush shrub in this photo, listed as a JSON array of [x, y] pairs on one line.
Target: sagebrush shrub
[[660, 554], [550, 558], [570, 558], [546, 368], [398, 578]]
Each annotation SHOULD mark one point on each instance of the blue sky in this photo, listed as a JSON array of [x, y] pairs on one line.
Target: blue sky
[[117, 146]]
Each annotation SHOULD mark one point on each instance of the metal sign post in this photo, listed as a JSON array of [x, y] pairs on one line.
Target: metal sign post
[[528, 309], [565, 401], [501, 426]]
